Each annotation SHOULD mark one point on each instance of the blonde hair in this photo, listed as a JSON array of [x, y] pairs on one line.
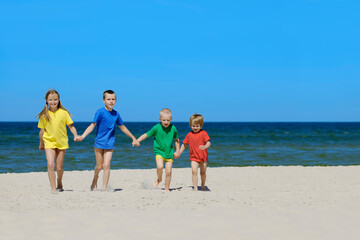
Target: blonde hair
[[45, 112], [196, 119], [165, 111]]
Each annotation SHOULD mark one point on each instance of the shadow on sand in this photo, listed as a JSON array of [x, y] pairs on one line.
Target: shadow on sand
[[199, 188], [173, 189]]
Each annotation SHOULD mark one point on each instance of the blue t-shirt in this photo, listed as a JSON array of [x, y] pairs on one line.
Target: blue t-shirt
[[106, 123]]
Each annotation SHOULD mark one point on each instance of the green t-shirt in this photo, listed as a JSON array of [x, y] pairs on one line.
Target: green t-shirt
[[163, 139]]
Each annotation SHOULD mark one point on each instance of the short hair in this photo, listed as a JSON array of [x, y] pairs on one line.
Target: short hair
[[108, 92], [196, 118], [165, 111]]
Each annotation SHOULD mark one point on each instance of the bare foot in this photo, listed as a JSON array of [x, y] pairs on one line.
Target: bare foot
[[93, 187], [60, 187], [156, 183], [54, 191]]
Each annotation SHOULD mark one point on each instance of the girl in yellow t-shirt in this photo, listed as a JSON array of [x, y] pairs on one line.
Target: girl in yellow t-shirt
[[53, 136]]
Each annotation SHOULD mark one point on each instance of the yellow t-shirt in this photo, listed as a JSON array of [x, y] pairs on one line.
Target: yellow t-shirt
[[55, 135]]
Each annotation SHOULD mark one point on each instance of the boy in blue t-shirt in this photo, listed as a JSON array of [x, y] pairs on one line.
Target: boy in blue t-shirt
[[105, 121]]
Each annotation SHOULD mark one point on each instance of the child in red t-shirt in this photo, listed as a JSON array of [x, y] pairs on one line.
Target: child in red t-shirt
[[199, 141]]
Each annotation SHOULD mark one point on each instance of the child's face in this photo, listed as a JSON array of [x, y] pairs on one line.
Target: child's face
[[165, 120], [109, 100], [195, 127], [53, 101]]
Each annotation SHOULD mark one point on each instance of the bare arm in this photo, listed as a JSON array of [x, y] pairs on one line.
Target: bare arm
[[182, 148], [124, 129], [177, 146], [41, 145], [88, 130], [73, 131], [207, 145], [142, 137]]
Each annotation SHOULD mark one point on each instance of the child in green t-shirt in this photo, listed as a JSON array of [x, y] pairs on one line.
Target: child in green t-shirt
[[164, 134]]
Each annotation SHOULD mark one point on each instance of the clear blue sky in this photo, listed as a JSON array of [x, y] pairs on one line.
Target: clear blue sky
[[290, 60]]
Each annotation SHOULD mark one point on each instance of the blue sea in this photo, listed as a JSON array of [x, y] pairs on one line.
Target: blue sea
[[233, 144]]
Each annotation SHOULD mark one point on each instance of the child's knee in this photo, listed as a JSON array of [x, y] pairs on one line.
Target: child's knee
[[98, 167], [51, 166], [106, 166]]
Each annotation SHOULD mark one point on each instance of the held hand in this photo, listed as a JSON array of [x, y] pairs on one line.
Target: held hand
[[135, 143], [78, 138], [176, 155], [202, 147]]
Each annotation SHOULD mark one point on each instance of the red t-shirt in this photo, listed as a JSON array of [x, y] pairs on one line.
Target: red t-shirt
[[194, 140]]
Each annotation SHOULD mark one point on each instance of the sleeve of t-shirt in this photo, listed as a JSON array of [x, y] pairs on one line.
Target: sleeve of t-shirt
[[42, 123], [176, 135], [152, 131], [206, 137], [119, 121], [97, 117], [68, 119], [186, 140]]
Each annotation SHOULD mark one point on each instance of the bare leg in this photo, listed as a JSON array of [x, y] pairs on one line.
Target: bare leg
[[203, 167], [107, 160], [98, 167], [50, 157], [194, 168], [168, 171], [60, 155], [159, 171]]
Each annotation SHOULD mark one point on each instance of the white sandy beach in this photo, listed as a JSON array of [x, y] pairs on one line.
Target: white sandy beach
[[242, 203]]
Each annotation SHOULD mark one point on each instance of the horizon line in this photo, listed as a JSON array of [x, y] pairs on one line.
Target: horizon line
[[206, 121]]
